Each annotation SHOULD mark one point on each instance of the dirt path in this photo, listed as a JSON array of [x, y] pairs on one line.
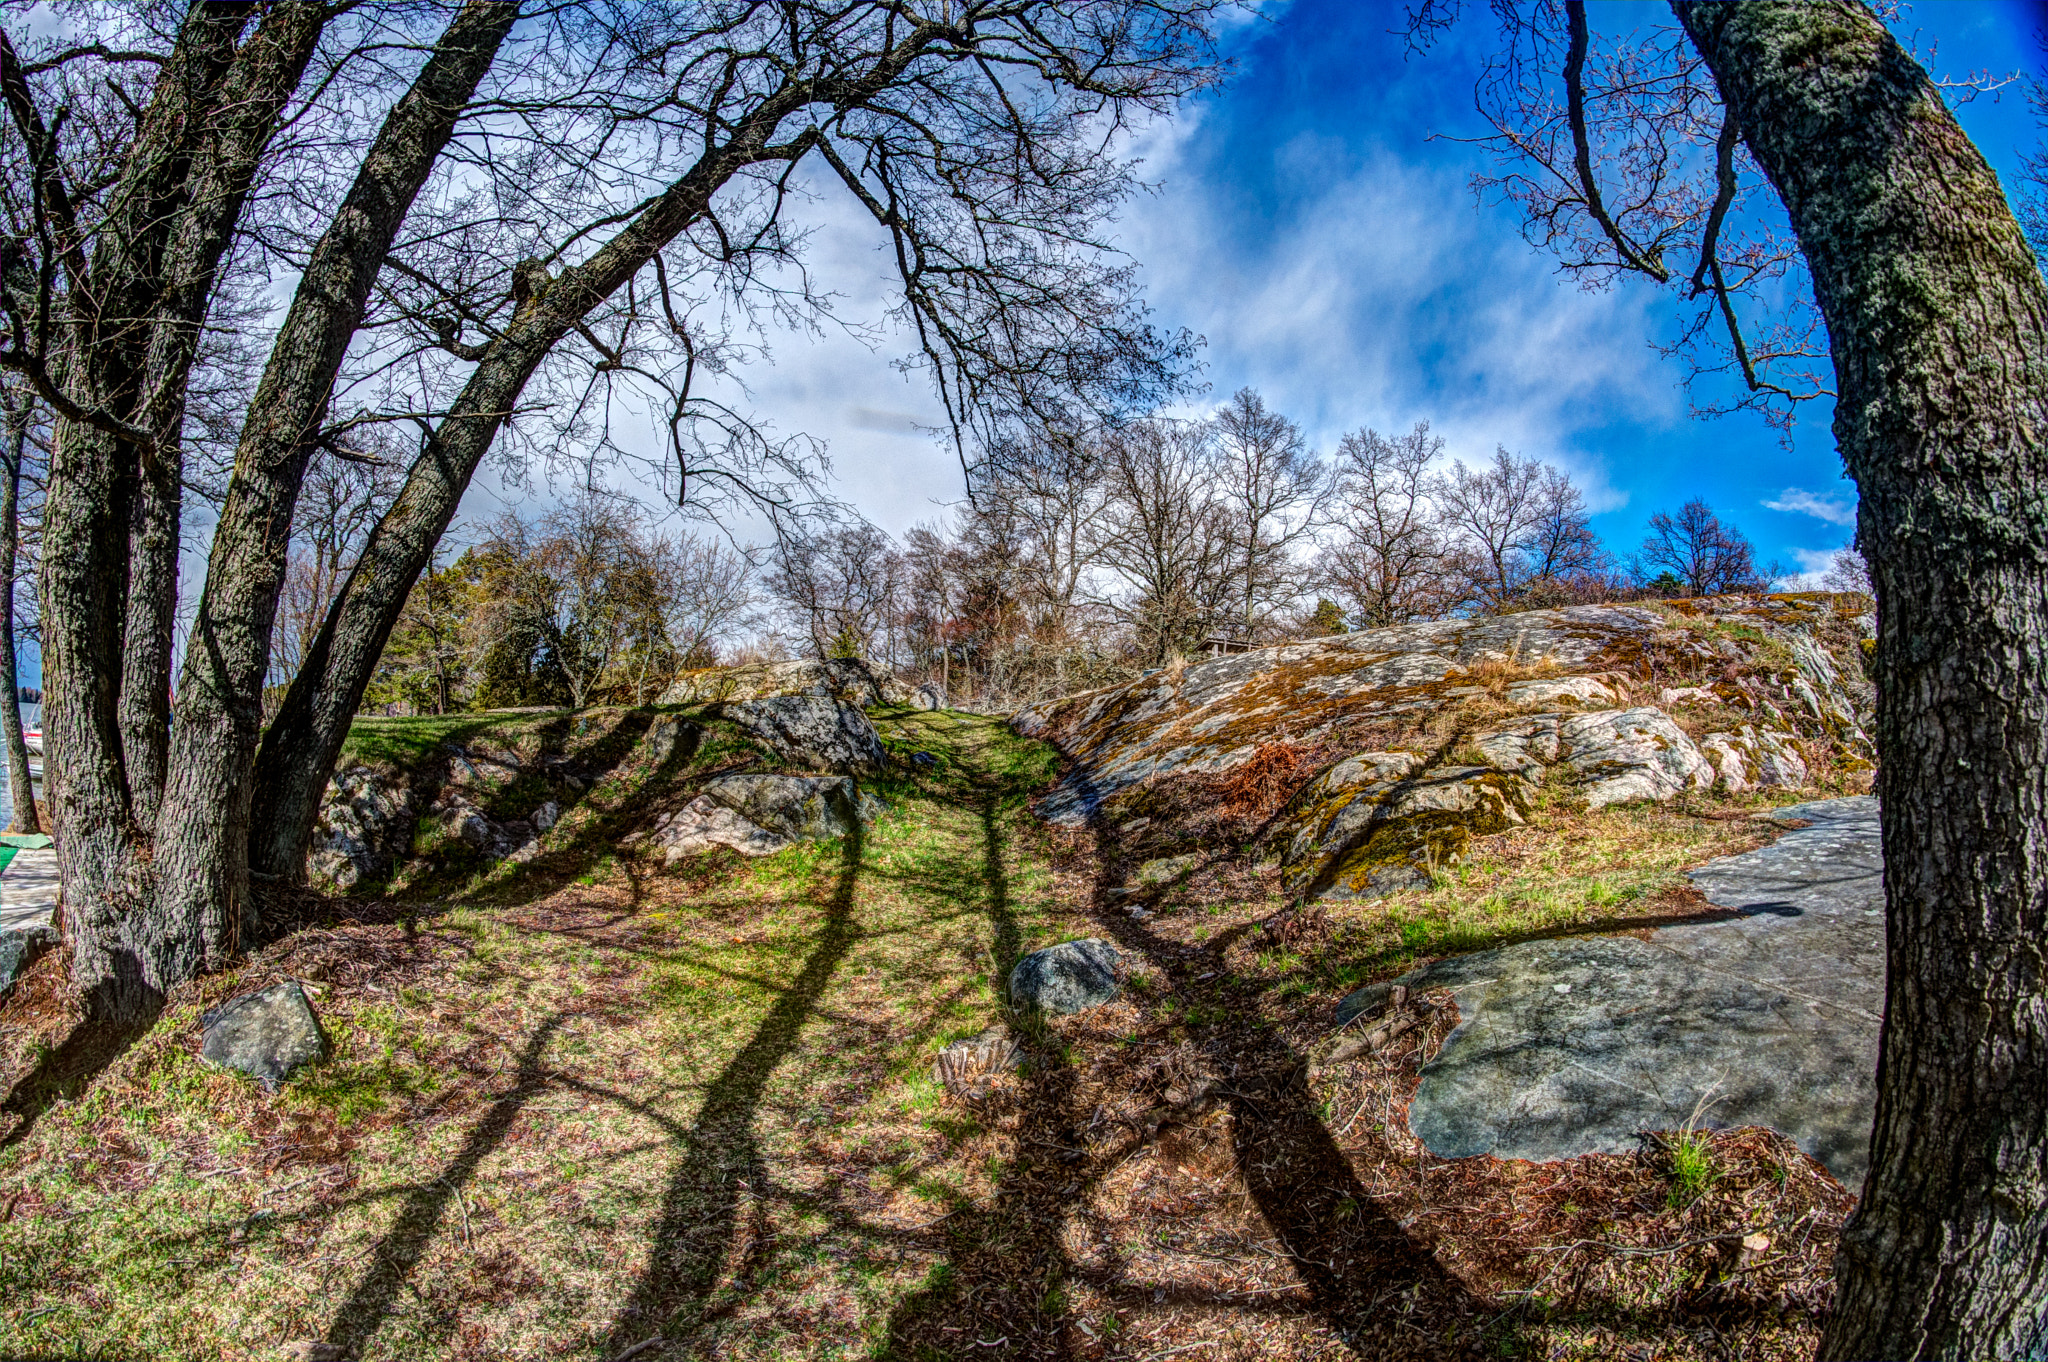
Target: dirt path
[[591, 1106]]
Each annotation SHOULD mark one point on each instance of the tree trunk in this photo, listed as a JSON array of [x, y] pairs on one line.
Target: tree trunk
[[1939, 325], [304, 740], [202, 834], [134, 335], [19, 781]]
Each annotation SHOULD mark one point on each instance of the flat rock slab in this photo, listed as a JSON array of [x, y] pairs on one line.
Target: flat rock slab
[[267, 1034], [1067, 978], [1766, 1017]]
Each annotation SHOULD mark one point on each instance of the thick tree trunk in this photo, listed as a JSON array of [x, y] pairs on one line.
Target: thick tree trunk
[[19, 781], [1939, 325], [202, 834], [133, 337]]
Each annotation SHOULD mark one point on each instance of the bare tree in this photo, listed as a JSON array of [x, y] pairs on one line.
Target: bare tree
[[710, 592], [1167, 536], [1847, 571], [1392, 559], [613, 176], [839, 584], [1936, 315], [1707, 557], [341, 499], [1621, 160], [1050, 483], [1276, 491]]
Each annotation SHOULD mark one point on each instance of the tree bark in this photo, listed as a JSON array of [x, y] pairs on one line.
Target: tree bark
[[202, 903], [134, 330], [20, 782], [1938, 321]]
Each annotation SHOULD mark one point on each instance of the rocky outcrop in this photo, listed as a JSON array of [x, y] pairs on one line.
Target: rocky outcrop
[[759, 815], [1444, 730], [365, 826], [847, 680], [816, 732], [1766, 1013]]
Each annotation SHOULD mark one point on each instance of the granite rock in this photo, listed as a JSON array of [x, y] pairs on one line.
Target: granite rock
[[815, 732], [1070, 977], [268, 1034], [1764, 1014]]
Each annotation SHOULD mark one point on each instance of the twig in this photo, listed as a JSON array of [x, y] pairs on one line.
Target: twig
[[1183, 1348], [638, 1348]]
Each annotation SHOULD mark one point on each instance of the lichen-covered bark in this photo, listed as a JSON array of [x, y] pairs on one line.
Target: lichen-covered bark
[[1939, 325]]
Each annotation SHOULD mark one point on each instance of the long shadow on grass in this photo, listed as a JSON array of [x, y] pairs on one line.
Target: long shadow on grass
[[997, 1289], [396, 1255], [721, 1167]]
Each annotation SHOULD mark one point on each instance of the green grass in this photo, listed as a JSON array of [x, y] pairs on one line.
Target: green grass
[[1692, 1167]]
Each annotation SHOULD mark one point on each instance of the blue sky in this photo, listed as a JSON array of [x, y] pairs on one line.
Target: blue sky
[[1307, 223], [1312, 219]]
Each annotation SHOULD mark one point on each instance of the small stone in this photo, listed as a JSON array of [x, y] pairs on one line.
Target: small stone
[[546, 816], [1560, 988], [1067, 978], [924, 759], [267, 1034], [1167, 869]]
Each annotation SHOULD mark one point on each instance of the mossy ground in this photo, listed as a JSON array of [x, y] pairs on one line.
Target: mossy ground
[[598, 1102]]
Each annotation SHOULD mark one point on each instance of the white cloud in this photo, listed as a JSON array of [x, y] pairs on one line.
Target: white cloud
[[1835, 510], [1814, 565]]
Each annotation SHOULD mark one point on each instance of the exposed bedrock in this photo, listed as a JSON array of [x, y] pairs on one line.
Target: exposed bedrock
[[1438, 732], [1765, 1013]]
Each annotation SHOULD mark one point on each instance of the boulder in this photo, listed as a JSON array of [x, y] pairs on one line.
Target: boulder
[[18, 949], [1070, 977], [847, 680], [704, 823], [812, 731], [928, 697], [1631, 754], [267, 1034], [759, 815]]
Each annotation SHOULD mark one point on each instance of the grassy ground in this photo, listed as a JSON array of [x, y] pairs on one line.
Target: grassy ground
[[596, 1104]]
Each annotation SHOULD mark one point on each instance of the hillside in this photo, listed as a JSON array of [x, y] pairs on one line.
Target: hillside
[[603, 1084], [1365, 763]]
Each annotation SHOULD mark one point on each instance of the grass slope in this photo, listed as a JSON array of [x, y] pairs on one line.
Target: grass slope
[[593, 1104]]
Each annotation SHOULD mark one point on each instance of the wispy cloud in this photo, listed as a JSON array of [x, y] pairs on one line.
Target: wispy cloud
[[1835, 510], [1813, 566]]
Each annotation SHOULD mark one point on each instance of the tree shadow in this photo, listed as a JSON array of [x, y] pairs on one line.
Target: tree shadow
[[998, 1290], [398, 1252], [88, 1050], [721, 1178]]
